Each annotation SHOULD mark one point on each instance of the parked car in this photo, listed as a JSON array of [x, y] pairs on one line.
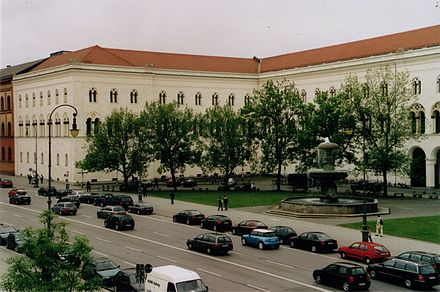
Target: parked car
[[217, 223], [65, 208], [102, 200], [14, 240], [409, 273], [71, 198], [170, 182], [110, 210], [6, 183], [44, 191], [88, 198], [314, 241], [245, 187], [5, 230], [20, 199], [366, 252], [130, 187], [284, 233], [16, 191], [148, 183], [189, 183], [64, 192], [141, 208], [189, 217], [246, 227], [261, 238], [107, 269], [211, 243], [424, 256], [124, 201], [119, 222], [347, 276], [125, 281]]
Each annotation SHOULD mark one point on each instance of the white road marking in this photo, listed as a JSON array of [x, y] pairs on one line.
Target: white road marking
[[19, 216], [188, 251], [1, 211], [100, 253], [132, 248], [77, 232], [163, 234], [236, 252], [105, 240], [87, 216], [6, 223], [167, 259], [35, 220], [130, 264], [280, 264], [208, 272], [257, 288]]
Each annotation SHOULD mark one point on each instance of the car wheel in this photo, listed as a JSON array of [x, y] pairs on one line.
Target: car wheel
[[214, 228], [373, 274], [208, 251], [343, 255], [367, 260], [188, 222], [260, 245], [243, 241], [408, 283], [292, 244], [190, 246], [345, 286], [314, 249], [318, 279], [174, 219]]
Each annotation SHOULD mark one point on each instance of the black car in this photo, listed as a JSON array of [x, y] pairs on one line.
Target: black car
[[245, 187], [110, 210], [107, 269], [65, 208], [44, 191], [102, 200], [285, 233], [246, 227], [88, 198], [217, 223], [5, 230], [188, 217], [211, 243], [70, 198], [64, 192], [20, 199], [119, 222], [125, 281], [314, 241], [429, 257], [347, 276], [409, 273], [124, 201], [14, 240], [141, 208], [189, 183]]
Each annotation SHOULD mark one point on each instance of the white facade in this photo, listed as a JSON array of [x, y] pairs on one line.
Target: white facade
[[78, 79]]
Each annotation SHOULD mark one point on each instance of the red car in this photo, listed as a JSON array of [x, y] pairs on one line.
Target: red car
[[365, 251], [14, 192], [6, 183]]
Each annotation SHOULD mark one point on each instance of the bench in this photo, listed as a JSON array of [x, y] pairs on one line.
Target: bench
[[399, 194]]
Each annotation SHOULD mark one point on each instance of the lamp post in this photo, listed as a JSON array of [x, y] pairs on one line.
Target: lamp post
[[73, 132], [364, 213], [36, 155]]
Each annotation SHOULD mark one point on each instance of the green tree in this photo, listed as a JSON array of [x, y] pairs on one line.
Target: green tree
[[49, 262], [381, 106], [118, 144], [274, 112], [172, 136], [225, 139]]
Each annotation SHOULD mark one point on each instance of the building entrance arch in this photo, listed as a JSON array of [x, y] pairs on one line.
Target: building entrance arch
[[418, 168]]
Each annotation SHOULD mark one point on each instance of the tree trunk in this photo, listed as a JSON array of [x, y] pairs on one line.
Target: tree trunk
[[385, 183], [173, 178], [279, 177]]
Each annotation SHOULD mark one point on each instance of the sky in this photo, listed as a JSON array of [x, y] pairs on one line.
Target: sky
[[32, 29]]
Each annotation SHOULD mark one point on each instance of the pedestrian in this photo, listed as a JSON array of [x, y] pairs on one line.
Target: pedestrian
[[88, 186], [41, 178], [379, 226], [156, 183], [29, 176], [139, 198], [144, 190], [172, 195], [220, 203], [369, 234], [225, 201]]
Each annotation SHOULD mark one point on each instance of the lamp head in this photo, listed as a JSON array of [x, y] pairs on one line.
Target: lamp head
[[74, 131]]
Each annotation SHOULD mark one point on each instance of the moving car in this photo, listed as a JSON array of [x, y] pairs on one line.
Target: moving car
[[44, 191], [409, 273], [366, 252], [107, 269], [119, 222], [211, 243], [65, 208], [314, 241], [423, 256], [6, 183], [217, 223], [20, 199], [141, 208], [246, 227], [110, 210], [124, 201], [189, 217], [347, 276], [284, 233], [261, 238], [5, 230]]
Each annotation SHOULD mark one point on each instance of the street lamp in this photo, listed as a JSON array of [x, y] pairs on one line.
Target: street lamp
[[364, 230], [73, 132]]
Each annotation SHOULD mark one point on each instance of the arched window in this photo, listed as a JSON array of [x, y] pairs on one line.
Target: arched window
[[65, 95], [21, 157], [48, 97], [418, 118], [304, 95], [19, 101], [134, 96], [198, 98], [26, 100], [113, 96], [8, 103], [332, 91], [231, 99], [96, 124], [2, 104], [9, 154], [162, 97], [422, 122], [42, 158], [92, 95], [317, 92], [66, 126], [41, 98], [27, 157], [3, 153], [58, 159], [214, 99], [247, 99], [180, 97], [417, 86], [9, 129], [436, 118], [89, 126], [3, 130], [413, 122], [57, 96], [34, 99]]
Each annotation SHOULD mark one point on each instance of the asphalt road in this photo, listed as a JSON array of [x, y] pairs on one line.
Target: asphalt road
[[158, 241]]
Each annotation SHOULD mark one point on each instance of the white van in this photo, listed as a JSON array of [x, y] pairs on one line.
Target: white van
[[173, 279]]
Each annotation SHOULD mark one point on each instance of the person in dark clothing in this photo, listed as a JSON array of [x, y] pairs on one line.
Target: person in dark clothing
[[156, 183], [225, 201], [88, 186], [220, 204], [172, 195], [144, 190], [41, 178], [29, 178]]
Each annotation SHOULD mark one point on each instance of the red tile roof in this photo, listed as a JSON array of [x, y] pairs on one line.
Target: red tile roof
[[415, 39]]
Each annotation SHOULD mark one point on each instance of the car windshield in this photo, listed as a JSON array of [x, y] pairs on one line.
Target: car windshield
[[436, 259], [118, 209], [105, 265], [8, 229], [69, 205], [191, 286], [126, 217], [322, 236], [380, 248], [222, 218], [260, 224], [427, 270], [358, 271], [223, 239], [195, 213]]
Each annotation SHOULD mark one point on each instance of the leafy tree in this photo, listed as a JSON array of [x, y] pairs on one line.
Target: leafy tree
[[226, 141], [172, 136], [50, 263], [274, 112], [118, 144], [381, 106]]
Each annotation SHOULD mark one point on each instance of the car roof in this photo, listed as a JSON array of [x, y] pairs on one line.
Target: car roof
[[262, 230], [420, 263], [347, 264], [215, 234], [422, 252], [369, 243]]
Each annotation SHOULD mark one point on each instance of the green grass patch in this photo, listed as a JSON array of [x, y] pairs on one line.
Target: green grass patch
[[420, 228]]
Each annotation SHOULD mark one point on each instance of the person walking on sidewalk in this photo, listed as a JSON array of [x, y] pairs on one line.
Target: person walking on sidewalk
[[144, 190], [225, 201], [29, 176], [41, 178], [379, 226], [88, 186], [172, 195], [220, 203]]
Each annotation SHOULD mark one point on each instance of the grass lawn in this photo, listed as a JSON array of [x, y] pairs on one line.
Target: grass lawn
[[421, 228]]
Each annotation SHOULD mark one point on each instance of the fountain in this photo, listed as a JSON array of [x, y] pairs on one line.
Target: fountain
[[328, 203]]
